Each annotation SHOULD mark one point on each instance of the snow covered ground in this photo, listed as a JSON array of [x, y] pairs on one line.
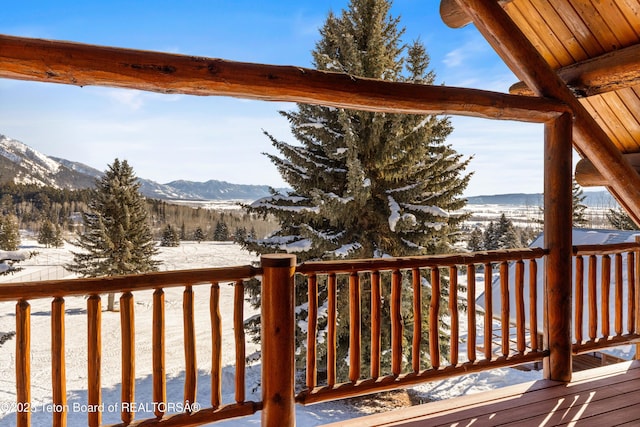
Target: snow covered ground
[[46, 265]]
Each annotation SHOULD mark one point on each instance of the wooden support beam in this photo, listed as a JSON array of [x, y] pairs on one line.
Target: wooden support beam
[[456, 17], [587, 175], [82, 65], [590, 140], [557, 240], [612, 71]]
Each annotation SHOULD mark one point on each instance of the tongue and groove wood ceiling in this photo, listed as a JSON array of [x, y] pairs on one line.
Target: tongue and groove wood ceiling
[[594, 47]]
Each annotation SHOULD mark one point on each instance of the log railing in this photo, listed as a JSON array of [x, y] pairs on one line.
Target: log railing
[[442, 289], [430, 285], [606, 289], [187, 412]]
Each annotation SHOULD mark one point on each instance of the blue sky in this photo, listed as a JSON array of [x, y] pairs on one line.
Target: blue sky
[[170, 137]]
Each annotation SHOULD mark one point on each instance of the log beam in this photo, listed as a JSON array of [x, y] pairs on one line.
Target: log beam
[[557, 240], [82, 65], [456, 17], [612, 71], [590, 140], [587, 175]]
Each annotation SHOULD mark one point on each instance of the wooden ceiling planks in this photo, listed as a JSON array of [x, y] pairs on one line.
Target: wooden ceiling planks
[[540, 34], [629, 134], [568, 32], [579, 40], [583, 35], [560, 31]]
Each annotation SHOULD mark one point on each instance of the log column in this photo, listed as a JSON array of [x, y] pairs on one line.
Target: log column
[[278, 340], [557, 240]]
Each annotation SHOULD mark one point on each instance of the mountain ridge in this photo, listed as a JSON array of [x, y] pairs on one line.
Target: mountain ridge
[[591, 199], [22, 164]]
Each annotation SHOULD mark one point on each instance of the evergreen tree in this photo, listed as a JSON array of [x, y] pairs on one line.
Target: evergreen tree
[[50, 234], [476, 241], [240, 235], [579, 208], [506, 234], [9, 233], [170, 237], [491, 237], [620, 220], [221, 232], [365, 184], [198, 235], [117, 238]]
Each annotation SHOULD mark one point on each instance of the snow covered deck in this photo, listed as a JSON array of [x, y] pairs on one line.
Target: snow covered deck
[[600, 396]]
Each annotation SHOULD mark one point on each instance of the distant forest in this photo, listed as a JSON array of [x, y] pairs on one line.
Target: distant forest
[[33, 205]]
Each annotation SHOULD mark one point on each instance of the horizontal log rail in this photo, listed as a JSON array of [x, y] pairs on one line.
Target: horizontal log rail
[[430, 285], [404, 263], [82, 65], [130, 283], [195, 412]]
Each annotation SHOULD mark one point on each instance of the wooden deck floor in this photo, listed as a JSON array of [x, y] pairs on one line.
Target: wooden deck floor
[[601, 397]]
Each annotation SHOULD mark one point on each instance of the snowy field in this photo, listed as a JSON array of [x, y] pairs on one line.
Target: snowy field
[[188, 255]]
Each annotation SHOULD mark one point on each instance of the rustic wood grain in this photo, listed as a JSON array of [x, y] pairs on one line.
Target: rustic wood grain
[[84, 65]]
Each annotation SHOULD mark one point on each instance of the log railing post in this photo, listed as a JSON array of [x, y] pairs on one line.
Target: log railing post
[[278, 340], [557, 240]]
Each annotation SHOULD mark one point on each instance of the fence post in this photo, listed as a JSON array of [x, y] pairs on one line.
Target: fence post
[[278, 340], [557, 240]]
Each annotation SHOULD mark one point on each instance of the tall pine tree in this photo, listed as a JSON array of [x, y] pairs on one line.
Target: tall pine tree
[[9, 233], [117, 238], [365, 184], [579, 208]]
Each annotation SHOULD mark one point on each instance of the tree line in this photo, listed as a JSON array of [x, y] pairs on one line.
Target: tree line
[[53, 213]]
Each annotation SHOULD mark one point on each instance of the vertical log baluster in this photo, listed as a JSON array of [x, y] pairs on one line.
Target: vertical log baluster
[[488, 314], [190, 374], [520, 317], [396, 322], [59, 395], [331, 329], [533, 304], [23, 363], [94, 363], [593, 303], [453, 312], [417, 319], [579, 298], [471, 312], [127, 332], [216, 345], [354, 327], [375, 324], [631, 293], [606, 289], [158, 345], [504, 306], [238, 329], [618, 294], [434, 315], [312, 331]]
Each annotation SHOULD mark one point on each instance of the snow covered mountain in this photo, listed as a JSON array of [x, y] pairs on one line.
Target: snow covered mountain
[[221, 190], [22, 164]]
